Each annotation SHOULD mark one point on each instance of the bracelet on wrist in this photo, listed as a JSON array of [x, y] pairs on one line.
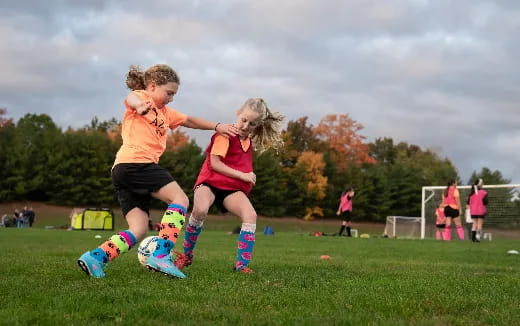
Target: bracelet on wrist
[[216, 126]]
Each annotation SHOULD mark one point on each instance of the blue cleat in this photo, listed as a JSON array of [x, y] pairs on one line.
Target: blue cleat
[[91, 265], [164, 265]]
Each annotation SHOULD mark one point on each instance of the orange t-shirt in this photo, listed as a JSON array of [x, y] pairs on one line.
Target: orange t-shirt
[[144, 136], [221, 145]]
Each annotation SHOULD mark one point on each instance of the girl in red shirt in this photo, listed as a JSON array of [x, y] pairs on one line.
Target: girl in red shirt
[[227, 176]]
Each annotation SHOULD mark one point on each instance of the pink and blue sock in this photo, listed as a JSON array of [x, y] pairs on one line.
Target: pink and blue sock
[[191, 234], [246, 242]]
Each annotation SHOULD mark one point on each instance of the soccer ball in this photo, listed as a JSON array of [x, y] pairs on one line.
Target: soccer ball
[[146, 248]]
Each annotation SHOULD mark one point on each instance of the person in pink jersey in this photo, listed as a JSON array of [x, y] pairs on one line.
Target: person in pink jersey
[[227, 176], [477, 202], [440, 222], [345, 210], [451, 203]]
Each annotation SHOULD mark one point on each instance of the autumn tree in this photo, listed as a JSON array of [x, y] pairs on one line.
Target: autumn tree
[[341, 134], [314, 181], [298, 138], [176, 140], [4, 121]]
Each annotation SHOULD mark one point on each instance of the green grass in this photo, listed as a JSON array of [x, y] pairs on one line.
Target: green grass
[[366, 282]]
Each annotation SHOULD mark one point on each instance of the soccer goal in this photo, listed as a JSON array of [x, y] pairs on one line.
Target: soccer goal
[[403, 227], [503, 206]]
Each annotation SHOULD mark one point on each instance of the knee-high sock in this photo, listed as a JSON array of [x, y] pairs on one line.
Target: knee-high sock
[[348, 231], [438, 235], [460, 232], [172, 222], [246, 242], [171, 225], [447, 233], [341, 229], [191, 234], [114, 246]]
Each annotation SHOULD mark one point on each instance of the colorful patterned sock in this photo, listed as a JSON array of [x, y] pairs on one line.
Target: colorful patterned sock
[[171, 225], [116, 245], [163, 248], [191, 235], [246, 242], [447, 233], [460, 232]]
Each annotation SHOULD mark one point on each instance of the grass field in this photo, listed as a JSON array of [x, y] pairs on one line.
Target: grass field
[[366, 282]]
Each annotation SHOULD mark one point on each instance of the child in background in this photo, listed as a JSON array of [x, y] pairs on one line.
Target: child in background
[[137, 176], [440, 222], [227, 176], [345, 209], [451, 203], [477, 202]]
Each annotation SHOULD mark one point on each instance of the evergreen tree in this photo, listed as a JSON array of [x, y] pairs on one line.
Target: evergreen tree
[[267, 195]]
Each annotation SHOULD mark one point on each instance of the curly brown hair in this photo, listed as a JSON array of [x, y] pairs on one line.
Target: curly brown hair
[[161, 74]]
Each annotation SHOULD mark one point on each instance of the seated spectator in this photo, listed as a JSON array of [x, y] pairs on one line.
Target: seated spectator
[[6, 221]]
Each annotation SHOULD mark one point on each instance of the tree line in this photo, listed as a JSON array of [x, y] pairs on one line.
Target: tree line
[[42, 162]]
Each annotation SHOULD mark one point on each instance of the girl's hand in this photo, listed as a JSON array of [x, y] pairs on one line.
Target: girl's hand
[[338, 212], [226, 130], [248, 177], [144, 107]]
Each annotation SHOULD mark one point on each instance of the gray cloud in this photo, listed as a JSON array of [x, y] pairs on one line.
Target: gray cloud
[[439, 74]]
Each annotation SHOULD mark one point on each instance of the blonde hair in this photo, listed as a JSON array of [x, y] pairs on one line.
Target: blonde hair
[[161, 74], [267, 134]]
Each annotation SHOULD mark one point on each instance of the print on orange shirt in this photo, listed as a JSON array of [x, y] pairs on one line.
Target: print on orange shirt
[[144, 136]]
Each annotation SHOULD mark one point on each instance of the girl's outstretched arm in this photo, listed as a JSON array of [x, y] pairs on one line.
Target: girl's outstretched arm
[[226, 130], [218, 166], [141, 106]]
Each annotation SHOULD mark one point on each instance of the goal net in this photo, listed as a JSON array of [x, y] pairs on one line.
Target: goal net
[[403, 227], [503, 209]]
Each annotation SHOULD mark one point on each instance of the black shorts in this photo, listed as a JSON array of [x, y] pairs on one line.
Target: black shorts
[[440, 226], [134, 183], [478, 216], [220, 195], [451, 212], [346, 216]]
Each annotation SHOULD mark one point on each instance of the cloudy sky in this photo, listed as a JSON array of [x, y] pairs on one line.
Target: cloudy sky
[[440, 74]]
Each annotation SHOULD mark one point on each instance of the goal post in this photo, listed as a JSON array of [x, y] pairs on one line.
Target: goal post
[[403, 227], [503, 206]]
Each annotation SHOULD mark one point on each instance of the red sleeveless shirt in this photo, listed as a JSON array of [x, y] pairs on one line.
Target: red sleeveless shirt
[[236, 158]]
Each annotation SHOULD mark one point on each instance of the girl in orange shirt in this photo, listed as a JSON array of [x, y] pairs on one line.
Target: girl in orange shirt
[[136, 175]]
